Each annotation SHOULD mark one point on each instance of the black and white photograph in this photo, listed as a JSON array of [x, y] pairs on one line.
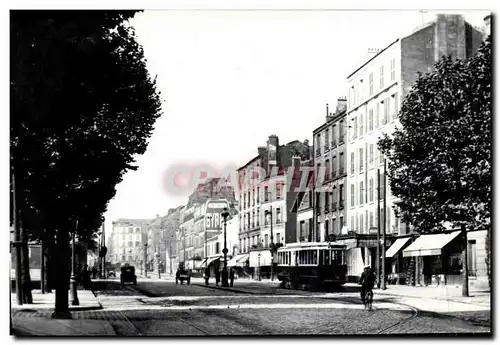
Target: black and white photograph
[[248, 171]]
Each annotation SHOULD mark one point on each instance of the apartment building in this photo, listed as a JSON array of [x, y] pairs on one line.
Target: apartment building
[[375, 92], [330, 174], [126, 242], [266, 197]]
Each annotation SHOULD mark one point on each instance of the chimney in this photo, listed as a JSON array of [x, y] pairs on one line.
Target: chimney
[[329, 116], [341, 105], [487, 25], [272, 150]]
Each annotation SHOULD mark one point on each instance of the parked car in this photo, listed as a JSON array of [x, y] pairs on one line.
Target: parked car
[[182, 275], [128, 275]]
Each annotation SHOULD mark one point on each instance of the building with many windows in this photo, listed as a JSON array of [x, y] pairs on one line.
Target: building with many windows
[[266, 197], [375, 92], [126, 242], [330, 172]]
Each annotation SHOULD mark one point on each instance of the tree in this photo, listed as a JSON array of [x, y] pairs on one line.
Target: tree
[[83, 107], [440, 160]]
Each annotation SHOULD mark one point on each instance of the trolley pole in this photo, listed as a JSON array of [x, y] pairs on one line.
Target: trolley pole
[[385, 225]]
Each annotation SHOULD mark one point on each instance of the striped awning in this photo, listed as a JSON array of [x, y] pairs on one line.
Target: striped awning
[[396, 247], [238, 260]]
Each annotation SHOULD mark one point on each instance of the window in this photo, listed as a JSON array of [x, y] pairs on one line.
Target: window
[[278, 215], [258, 194], [352, 195], [386, 112], [278, 190], [327, 137], [370, 155], [334, 226], [361, 121], [360, 159], [327, 169], [352, 223], [327, 228], [393, 69], [370, 120], [377, 116], [370, 190], [355, 129], [352, 162], [266, 193], [371, 83], [341, 223], [381, 77], [258, 216], [130, 244], [334, 133], [278, 237], [253, 219], [361, 199], [130, 230], [334, 166], [341, 131], [371, 220], [341, 192], [395, 109], [327, 200], [341, 163], [361, 223]]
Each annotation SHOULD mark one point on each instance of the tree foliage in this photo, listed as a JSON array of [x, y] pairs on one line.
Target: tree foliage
[[82, 108], [440, 160]]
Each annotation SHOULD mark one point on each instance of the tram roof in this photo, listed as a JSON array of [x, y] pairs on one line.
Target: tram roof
[[312, 245]]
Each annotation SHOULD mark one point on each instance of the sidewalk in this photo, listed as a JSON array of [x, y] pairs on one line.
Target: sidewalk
[[52, 327], [47, 301], [444, 293]]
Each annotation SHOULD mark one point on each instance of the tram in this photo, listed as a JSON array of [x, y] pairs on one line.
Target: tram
[[312, 265]]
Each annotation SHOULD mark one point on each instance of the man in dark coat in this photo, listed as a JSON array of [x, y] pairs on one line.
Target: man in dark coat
[[367, 282], [217, 277], [207, 275], [231, 276]]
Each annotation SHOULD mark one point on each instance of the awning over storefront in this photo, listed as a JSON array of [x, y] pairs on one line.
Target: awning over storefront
[[238, 260], [208, 261], [427, 245], [396, 247]]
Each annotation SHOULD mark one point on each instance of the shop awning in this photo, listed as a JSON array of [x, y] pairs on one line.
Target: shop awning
[[208, 261], [238, 260], [427, 245], [396, 247]]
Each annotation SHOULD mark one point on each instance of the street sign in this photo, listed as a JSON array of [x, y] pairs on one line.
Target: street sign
[[214, 209]]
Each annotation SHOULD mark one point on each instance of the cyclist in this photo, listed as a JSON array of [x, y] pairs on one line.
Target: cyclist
[[367, 282]]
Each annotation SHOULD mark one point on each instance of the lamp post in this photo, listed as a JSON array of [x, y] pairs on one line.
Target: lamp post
[[270, 213], [209, 217], [258, 272], [73, 283], [225, 282]]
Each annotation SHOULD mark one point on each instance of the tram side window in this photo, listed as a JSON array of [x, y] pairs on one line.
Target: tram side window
[[314, 257], [321, 257]]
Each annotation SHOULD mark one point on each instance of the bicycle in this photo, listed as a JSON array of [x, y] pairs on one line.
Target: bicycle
[[368, 300]]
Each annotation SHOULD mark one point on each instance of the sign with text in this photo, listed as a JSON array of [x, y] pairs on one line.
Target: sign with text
[[213, 217]]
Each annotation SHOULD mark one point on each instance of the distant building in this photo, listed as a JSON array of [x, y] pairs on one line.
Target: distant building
[[126, 242]]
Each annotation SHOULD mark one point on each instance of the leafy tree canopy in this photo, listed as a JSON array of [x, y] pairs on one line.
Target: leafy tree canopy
[[440, 160]]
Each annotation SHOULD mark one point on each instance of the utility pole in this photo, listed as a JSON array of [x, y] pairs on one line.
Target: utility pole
[[17, 242], [385, 224], [378, 229], [104, 248], [465, 285], [42, 263]]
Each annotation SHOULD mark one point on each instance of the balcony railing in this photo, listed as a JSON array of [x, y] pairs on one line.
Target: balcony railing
[[334, 143], [318, 152], [334, 206], [341, 204]]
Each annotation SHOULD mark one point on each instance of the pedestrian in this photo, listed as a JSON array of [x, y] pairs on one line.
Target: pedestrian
[[94, 272], [207, 275], [217, 277], [231, 276], [86, 277]]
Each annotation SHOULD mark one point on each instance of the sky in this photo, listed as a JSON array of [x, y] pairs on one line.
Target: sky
[[229, 79]]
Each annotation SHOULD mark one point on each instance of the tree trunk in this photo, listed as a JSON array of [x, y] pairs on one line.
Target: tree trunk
[[62, 258], [25, 264]]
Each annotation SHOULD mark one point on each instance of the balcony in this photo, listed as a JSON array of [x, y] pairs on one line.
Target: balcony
[[327, 148], [318, 152], [327, 209], [341, 204], [341, 140], [334, 206], [334, 144], [333, 174]]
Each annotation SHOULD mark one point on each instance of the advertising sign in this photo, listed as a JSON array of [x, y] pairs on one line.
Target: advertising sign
[[214, 209]]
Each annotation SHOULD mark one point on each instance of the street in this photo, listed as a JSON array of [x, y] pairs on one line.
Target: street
[[162, 308]]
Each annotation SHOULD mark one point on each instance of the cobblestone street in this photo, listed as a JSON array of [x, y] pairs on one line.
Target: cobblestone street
[[164, 308]]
